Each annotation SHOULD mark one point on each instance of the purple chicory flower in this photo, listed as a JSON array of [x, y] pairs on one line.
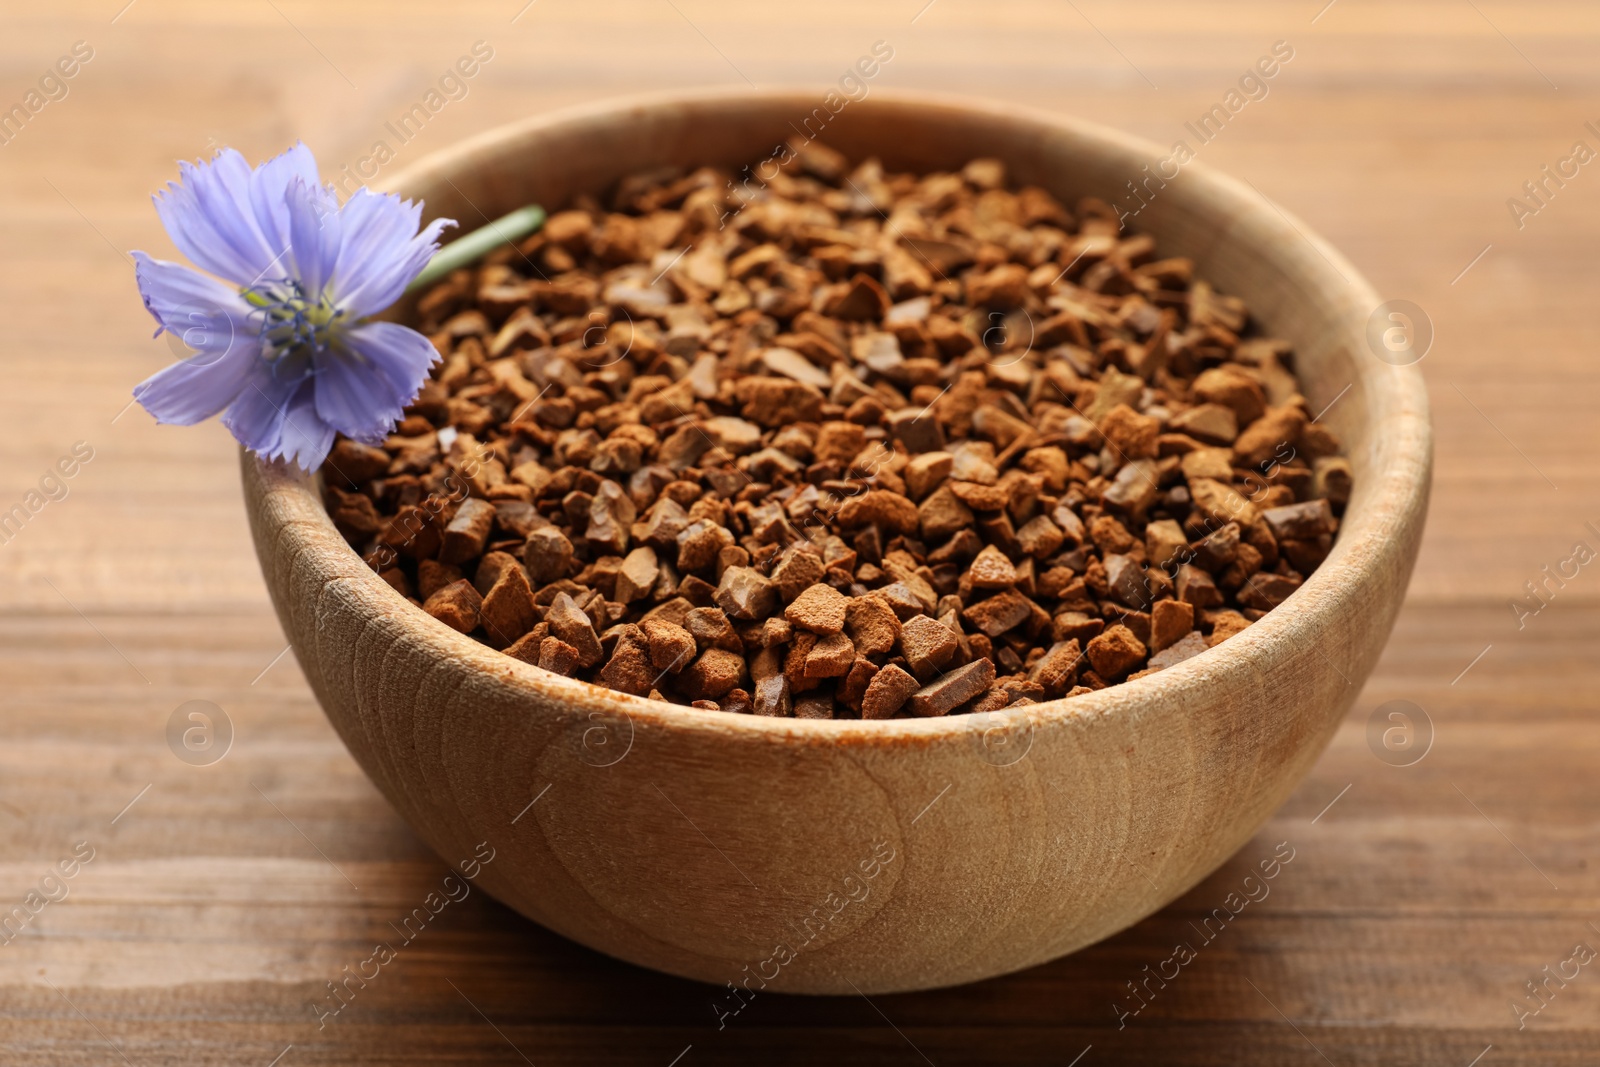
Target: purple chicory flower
[[286, 347]]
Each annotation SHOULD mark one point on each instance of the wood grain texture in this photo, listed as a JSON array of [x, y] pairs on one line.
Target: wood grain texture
[[210, 921]]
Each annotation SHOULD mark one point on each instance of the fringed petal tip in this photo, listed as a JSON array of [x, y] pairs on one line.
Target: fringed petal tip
[[434, 229]]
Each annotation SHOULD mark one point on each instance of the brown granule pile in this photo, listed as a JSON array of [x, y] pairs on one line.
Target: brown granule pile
[[844, 444]]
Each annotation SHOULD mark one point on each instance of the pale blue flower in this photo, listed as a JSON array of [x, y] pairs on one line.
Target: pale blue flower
[[283, 345]]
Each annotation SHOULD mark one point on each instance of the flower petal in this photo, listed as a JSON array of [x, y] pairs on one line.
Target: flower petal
[[363, 389], [314, 229], [272, 395], [210, 319], [183, 394], [267, 186], [381, 251], [206, 315], [256, 416], [305, 437], [208, 215]]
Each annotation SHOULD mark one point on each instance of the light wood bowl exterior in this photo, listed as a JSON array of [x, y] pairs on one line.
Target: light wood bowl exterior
[[698, 843]]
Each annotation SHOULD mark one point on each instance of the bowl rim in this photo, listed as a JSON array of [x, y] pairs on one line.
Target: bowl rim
[[1311, 607]]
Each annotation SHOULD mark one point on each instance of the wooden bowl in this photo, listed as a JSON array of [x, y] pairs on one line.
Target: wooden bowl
[[832, 857]]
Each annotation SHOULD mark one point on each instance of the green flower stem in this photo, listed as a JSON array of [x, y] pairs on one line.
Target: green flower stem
[[480, 242]]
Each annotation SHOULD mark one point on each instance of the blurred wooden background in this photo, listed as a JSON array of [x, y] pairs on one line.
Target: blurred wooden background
[[220, 903]]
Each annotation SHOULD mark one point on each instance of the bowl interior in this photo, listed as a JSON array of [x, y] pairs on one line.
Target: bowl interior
[[1297, 287]]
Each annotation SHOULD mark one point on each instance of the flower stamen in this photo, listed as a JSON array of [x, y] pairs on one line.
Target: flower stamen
[[292, 324]]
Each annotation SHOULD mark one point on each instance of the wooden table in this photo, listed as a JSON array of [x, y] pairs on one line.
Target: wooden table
[[221, 899]]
